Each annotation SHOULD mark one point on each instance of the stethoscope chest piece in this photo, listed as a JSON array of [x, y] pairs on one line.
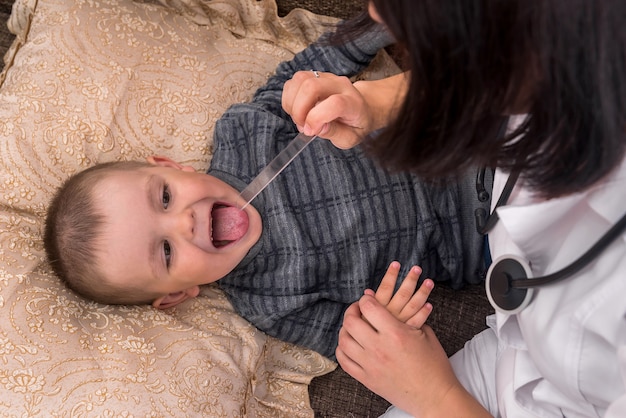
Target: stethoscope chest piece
[[501, 294]]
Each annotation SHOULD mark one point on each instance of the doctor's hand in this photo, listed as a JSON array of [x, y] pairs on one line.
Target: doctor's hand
[[405, 365], [334, 108]]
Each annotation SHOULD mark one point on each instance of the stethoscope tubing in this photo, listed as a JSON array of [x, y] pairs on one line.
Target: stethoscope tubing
[[616, 230]]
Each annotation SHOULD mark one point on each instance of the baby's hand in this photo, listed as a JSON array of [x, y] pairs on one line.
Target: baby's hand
[[406, 305]]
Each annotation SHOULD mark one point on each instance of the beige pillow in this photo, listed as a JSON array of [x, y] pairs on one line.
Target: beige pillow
[[88, 81]]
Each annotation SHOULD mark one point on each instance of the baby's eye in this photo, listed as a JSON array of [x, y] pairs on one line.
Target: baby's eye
[[167, 251], [166, 196]]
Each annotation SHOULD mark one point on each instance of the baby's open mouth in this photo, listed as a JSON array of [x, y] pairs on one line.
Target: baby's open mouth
[[228, 224]]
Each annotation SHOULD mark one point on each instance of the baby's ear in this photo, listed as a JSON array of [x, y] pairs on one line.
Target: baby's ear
[[173, 299], [167, 162]]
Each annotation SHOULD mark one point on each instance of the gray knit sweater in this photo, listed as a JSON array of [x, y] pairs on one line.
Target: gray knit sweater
[[333, 220]]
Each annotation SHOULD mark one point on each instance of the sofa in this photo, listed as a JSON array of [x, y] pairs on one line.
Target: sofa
[[457, 314]]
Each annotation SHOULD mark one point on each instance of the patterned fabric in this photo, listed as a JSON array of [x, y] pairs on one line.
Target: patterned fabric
[[333, 220], [88, 81]]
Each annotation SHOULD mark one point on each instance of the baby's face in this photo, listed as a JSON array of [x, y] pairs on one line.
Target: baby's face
[[169, 229]]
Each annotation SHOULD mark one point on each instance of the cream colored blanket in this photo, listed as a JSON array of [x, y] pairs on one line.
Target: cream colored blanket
[[92, 81], [88, 81]]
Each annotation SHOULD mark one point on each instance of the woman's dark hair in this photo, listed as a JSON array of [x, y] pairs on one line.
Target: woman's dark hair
[[561, 61]]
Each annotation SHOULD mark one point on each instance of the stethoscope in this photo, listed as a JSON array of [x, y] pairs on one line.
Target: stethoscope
[[509, 282]]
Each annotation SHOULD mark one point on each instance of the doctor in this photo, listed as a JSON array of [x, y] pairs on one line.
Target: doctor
[[558, 68]]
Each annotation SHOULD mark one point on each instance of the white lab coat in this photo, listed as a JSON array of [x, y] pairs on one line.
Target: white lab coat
[[565, 354]]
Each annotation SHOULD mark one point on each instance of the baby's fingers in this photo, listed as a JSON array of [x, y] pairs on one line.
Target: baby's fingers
[[388, 284], [416, 310], [405, 293], [419, 319]]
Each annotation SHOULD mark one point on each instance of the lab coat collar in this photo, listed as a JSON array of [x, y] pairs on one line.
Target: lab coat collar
[[529, 224], [532, 227], [608, 197]]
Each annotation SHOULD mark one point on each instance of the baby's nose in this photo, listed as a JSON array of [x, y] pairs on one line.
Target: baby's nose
[[184, 223]]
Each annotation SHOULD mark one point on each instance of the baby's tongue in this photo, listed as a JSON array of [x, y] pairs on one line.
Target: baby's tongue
[[229, 223]]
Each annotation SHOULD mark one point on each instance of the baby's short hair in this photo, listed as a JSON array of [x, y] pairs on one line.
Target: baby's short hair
[[72, 229]]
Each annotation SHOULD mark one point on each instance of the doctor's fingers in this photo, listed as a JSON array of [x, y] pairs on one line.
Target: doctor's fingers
[[355, 326], [351, 362], [351, 355], [306, 88], [350, 366], [378, 317], [328, 106], [364, 352]]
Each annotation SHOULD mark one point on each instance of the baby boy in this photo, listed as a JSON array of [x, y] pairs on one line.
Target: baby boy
[[292, 262]]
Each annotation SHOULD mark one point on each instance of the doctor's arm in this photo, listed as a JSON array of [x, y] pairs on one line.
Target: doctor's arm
[[376, 349]]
